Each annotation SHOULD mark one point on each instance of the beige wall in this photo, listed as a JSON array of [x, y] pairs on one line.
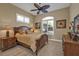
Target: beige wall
[[58, 15], [8, 15], [74, 10]]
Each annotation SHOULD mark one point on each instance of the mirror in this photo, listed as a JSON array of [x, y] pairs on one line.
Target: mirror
[[76, 24]]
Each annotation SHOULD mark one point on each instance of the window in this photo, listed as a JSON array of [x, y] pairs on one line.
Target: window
[[21, 18], [27, 20]]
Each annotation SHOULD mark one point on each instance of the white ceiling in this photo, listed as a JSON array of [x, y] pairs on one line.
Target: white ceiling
[[53, 6]]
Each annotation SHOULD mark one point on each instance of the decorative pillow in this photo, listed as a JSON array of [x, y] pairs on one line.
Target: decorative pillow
[[37, 31], [29, 31], [21, 31]]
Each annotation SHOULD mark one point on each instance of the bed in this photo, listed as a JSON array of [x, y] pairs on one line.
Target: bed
[[34, 41]]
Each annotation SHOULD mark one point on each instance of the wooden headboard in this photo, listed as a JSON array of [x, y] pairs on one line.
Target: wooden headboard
[[25, 28]]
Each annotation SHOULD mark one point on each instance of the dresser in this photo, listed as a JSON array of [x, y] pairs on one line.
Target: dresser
[[70, 47], [7, 43]]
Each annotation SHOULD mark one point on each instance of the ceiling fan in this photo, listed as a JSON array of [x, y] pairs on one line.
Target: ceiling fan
[[40, 8]]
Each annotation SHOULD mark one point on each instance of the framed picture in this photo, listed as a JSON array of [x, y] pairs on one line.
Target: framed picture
[[37, 25], [61, 23]]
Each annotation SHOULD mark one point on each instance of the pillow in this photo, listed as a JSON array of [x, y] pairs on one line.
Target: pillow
[[21, 31], [29, 31], [37, 31]]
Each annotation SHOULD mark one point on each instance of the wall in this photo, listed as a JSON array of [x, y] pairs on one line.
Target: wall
[[8, 15], [74, 10], [58, 15]]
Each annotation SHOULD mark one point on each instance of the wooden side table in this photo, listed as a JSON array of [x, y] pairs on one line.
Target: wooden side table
[[7, 43]]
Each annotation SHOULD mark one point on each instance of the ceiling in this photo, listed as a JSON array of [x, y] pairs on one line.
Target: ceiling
[[53, 6]]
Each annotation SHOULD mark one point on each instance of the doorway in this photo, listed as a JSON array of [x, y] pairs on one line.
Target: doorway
[[48, 26]]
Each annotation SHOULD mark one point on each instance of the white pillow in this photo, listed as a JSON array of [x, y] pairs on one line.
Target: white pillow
[[29, 31]]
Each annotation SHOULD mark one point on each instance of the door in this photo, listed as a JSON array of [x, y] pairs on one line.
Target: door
[[48, 27]]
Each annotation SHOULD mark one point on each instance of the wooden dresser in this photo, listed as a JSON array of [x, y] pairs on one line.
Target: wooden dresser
[[70, 47], [7, 43]]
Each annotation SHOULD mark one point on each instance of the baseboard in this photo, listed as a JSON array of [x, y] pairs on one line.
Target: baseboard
[[56, 40]]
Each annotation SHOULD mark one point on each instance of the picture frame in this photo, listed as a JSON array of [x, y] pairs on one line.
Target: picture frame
[[37, 25], [61, 23]]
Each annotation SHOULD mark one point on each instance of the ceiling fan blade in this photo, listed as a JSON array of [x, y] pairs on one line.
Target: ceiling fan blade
[[34, 10], [38, 12], [36, 5], [44, 11], [45, 7]]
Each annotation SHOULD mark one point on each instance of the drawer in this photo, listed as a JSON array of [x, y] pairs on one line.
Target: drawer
[[7, 43]]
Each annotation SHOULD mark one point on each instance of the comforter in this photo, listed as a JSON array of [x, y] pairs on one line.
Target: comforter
[[29, 39]]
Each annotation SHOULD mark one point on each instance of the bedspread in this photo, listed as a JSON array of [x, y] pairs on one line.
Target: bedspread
[[29, 39]]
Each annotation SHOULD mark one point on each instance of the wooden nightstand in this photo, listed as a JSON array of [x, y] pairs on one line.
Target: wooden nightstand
[[7, 43]]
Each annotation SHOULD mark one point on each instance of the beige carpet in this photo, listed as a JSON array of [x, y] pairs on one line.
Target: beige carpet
[[53, 48]]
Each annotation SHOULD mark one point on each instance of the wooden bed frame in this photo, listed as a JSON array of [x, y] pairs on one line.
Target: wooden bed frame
[[39, 42]]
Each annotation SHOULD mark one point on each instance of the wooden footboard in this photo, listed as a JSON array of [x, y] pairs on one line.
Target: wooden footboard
[[41, 42]]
